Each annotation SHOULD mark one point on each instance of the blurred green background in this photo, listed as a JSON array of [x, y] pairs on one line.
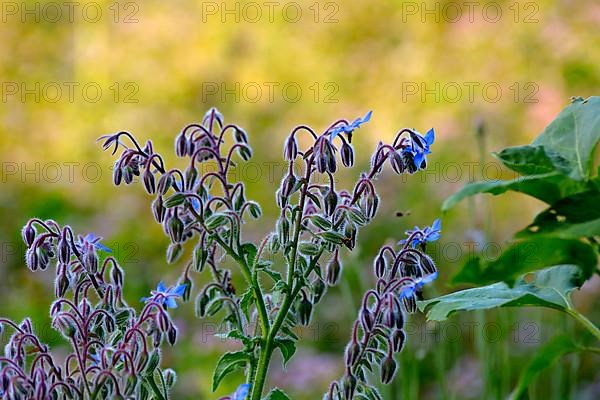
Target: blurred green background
[[72, 72]]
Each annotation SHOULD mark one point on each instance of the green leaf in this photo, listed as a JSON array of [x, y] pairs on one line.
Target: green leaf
[[215, 221], [228, 363], [249, 250], [546, 356], [548, 188], [548, 288], [574, 216], [246, 301], [574, 135], [175, 200], [277, 394], [287, 347], [533, 160], [529, 255], [332, 237], [307, 248]]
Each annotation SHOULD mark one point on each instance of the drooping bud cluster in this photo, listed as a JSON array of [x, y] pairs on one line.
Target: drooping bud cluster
[[316, 222], [378, 332], [113, 350]]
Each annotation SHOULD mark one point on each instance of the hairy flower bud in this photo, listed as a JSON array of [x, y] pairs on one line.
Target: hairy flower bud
[[117, 175], [398, 337], [181, 144], [175, 228], [31, 259], [318, 289], [290, 148], [199, 257], [330, 201], [149, 181], [191, 175], [172, 335], [117, 275], [61, 284], [164, 183], [90, 261], [367, 318], [352, 353], [304, 310], [379, 265], [347, 154], [174, 252], [283, 230], [427, 264], [388, 369], [397, 163], [410, 303], [159, 210], [334, 269], [201, 303], [349, 387], [287, 185], [170, 377], [28, 234]]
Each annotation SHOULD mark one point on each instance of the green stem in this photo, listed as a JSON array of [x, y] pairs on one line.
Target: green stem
[[589, 325]]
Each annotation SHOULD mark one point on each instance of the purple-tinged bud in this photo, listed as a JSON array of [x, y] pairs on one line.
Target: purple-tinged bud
[[31, 259], [367, 319], [174, 252], [397, 163], [172, 335], [380, 265], [191, 175], [117, 275], [175, 228], [41, 390], [90, 261], [304, 310], [398, 337], [191, 147], [330, 201], [334, 270], [64, 249], [149, 181], [427, 264], [181, 144], [371, 205], [393, 316], [200, 256], [159, 210], [117, 175], [188, 288], [409, 162], [352, 353], [350, 232], [347, 154], [62, 284], [201, 304], [287, 185], [329, 153], [85, 307], [128, 175], [162, 321], [410, 303], [290, 148], [245, 152], [388, 369], [164, 183], [240, 135], [43, 253], [170, 377], [349, 387], [28, 234]]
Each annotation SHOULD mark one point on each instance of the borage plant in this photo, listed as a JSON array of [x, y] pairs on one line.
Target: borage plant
[[115, 353], [200, 204]]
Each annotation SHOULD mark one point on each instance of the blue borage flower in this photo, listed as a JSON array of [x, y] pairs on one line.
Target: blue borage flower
[[349, 128], [428, 234], [420, 147], [417, 284], [166, 296], [241, 393], [91, 240]]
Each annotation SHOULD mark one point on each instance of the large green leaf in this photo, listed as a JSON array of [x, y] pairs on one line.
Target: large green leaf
[[574, 134], [549, 287], [546, 356], [533, 160], [228, 363], [526, 256], [574, 216], [287, 347], [548, 188]]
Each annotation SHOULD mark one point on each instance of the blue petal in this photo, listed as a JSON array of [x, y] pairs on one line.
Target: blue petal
[[242, 392], [407, 291], [179, 290], [429, 278], [430, 136], [437, 225], [161, 287], [419, 157], [171, 303], [367, 116], [102, 247], [432, 237]]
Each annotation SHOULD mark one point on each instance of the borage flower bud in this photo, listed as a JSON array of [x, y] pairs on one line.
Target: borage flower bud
[[90, 261], [61, 284], [117, 174], [28, 234], [352, 353], [347, 154], [410, 303], [398, 337], [31, 259], [191, 174], [409, 162], [388, 369], [287, 185], [175, 228], [283, 230], [350, 232], [159, 210], [379, 265], [290, 148], [170, 377], [117, 275], [397, 163], [181, 144], [201, 303], [334, 269], [427, 265], [172, 335], [174, 252], [349, 386], [64, 249], [240, 135], [149, 181], [367, 318], [330, 201], [318, 289], [304, 310], [164, 183]]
